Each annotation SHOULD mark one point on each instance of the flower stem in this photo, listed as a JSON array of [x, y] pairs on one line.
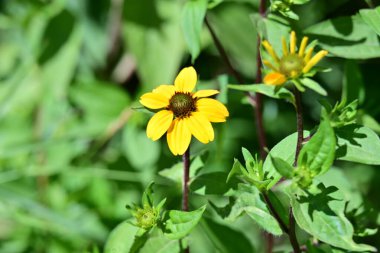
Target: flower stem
[[370, 4], [292, 223], [185, 186], [186, 177], [275, 213], [223, 53], [297, 95], [259, 121]]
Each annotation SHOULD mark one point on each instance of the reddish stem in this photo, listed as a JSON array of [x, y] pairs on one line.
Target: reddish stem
[[186, 177]]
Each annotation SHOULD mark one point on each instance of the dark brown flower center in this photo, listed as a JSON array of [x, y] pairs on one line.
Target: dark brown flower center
[[182, 104], [291, 65]]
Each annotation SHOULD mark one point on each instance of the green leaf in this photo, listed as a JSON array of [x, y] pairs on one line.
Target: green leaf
[[159, 243], [372, 18], [285, 150], [117, 243], [222, 237], [180, 223], [346, 37], [283, 167], [237, 168], [224, 19], [147, 198], [157, 43], [311, 84], [268, 90], [175, 172], [134, 141], [320, 212], [249, 160], [279, 207], [248, 201], [353, 84], [318, 153], [211, 183], [192, 20], [358, 144]]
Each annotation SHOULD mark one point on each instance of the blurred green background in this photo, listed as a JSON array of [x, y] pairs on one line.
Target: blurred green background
[[73, 149]]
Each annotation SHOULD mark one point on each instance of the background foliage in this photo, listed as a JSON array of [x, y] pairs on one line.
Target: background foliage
[[73, 148]]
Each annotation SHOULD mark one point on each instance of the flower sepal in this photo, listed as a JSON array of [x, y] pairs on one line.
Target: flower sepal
[[252, 172]]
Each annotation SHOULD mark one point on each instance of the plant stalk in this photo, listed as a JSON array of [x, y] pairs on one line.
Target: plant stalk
[[223, 53], [275, 214], [185, 186], [299, 116], [259, 120], [186, 177]]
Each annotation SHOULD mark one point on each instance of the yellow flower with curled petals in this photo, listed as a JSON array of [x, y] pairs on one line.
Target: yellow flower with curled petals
[[292, 64], [182, 112]]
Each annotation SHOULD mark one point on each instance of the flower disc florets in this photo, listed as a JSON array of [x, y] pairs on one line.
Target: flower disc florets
[[146, 217], [291, 65], [182, 104]]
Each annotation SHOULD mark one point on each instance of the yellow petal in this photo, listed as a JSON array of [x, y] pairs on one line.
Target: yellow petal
[[186, 80], [154, 100], [303, 46], [316, 58], [274, 78], [159, 124], [178, 137], [293, 41], [271, 51], [205, 93], [214, 110], [269, 65], [165, 90], [200, 127], [284, 47], [308, 55]]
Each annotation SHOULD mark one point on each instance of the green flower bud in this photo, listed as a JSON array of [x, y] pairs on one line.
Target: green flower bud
[[146, 217]]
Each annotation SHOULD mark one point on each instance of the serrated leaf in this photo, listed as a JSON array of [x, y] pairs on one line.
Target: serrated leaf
[[358, 144], [192, 21], [180, 223], [285, 150], [311, 84], [283, 167], [372, 18], [248, 201], [318, 153], [346, 37], [320, 212], [268, 90]]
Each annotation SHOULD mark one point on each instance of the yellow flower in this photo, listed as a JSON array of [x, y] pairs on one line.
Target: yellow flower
[[182, 112], [292, 64]]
